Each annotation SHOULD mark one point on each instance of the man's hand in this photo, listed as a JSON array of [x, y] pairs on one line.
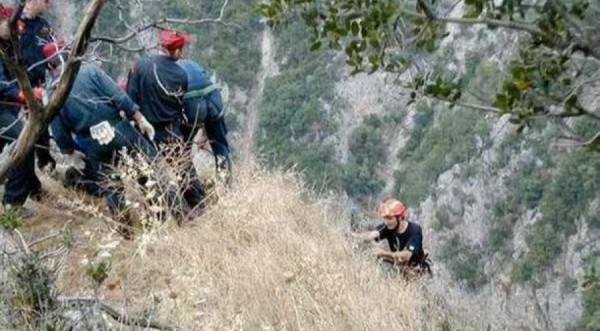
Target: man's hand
[[144, 126]]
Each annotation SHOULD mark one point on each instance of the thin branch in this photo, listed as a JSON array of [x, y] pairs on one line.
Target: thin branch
[[594, 142], [59, 251], [121, 318], [23, 242], [487, 109], [512, 25], [157, 24], [42, 239]]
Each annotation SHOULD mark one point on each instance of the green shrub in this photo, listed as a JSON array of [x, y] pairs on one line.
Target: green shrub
[[434, 149], [367, 151], [293, 125], [544, 244], [575, 184], [590, 319], [465, 263]]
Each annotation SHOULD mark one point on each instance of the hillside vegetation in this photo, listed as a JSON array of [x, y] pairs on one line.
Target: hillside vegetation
[[266, 256]]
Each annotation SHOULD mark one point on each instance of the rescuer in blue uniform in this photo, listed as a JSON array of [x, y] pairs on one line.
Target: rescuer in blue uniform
[[157, 84], [35, 32], [203, 107]]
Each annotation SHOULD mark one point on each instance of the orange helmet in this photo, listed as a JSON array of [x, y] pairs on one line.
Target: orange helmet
[[390, 207]]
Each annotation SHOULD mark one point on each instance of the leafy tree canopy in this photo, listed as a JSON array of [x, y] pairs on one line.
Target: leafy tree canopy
[[557, 57]]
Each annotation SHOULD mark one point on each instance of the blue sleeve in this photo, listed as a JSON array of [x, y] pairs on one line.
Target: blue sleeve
[[8, 89], [119, 98], [62, 135]]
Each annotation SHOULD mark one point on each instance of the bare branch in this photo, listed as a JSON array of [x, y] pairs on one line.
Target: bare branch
[[158, 25], [594, 142], [40, 240], [512, 25]]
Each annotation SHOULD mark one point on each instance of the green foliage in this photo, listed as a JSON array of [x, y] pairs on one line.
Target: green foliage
[[542, 81], [567, 195], [98, 272], [594, 221], [590, 319], [465, 263], [445, 325], [434, 149], [32, 293], [442, 220], [367, 151], [530, 182], [294, 124], [10, 220], [563, 197], [500, 233], [544, 244]]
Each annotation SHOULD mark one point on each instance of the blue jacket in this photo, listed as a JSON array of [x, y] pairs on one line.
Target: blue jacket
[[9, 89], [157, 84], [197, 75], [35, 33], [95, 97]]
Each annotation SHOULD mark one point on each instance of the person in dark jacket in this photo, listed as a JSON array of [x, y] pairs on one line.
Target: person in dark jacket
[[91, 113], [203, 108], [158, 84], [22, 182], [404, 238], [35, 32]]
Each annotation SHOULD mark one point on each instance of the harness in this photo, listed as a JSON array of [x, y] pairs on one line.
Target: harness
[[201, 92]]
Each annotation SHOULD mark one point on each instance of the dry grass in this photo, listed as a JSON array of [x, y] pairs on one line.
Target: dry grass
[[265, 256]]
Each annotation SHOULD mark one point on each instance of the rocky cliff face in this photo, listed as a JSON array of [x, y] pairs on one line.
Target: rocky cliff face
[[458, 214]]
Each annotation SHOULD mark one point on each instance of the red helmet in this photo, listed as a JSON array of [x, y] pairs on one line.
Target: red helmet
[[54, 47], [390, 207], [6, 12], [173, 40]]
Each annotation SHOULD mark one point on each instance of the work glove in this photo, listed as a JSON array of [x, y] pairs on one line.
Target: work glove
[[146, 128], [74, 159], [38, 93]]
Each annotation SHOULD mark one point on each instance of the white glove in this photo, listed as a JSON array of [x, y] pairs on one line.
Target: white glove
[[75, 160], [146, 128]]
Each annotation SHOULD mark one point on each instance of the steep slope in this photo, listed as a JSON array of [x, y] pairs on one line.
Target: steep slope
[[265, 256]]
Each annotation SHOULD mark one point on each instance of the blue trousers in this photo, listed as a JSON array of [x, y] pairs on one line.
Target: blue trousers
[[98, 157], [207, 111], [22, 182]]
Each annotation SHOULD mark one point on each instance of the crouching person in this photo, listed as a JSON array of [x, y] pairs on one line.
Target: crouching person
[[404, 239], [91, 113], [158, 84]]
